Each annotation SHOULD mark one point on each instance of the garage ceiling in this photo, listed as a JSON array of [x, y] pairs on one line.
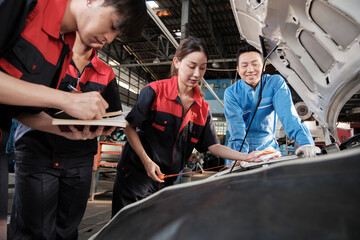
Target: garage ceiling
[[151, 53]]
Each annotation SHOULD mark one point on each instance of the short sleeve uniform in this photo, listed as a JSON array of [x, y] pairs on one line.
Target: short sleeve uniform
[[46, 149], [168, 138], [33, 50], [161, 126], [49, 165]]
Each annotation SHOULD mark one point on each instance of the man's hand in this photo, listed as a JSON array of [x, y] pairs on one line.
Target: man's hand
[[85, 134], [89, 105], [308, 151]]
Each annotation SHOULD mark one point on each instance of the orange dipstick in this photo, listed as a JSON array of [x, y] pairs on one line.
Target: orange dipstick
[[161, 176], [179, 174]]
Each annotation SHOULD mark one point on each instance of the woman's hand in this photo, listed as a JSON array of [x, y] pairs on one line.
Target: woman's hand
[[252, 157], [153, 170]]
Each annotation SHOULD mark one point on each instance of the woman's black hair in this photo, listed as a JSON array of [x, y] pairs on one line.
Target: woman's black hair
[[187, 46], [133, 16]]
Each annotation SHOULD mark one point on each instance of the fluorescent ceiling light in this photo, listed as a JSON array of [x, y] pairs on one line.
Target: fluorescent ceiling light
[[152, 4], [113, 62]]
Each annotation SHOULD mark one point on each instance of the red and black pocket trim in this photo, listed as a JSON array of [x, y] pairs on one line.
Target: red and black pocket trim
[[161, 128]]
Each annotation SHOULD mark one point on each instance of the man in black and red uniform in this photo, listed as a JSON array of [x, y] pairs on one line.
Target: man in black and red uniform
[[35, 42], [53, 173]]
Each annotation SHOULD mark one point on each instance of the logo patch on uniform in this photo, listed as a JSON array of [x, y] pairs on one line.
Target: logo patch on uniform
[[161, 128]]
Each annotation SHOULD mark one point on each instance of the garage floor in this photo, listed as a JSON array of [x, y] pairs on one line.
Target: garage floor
[[98, 212]]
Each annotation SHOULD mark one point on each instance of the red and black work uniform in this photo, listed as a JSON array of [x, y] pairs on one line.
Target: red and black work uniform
[[31, 47], [53, 173], [168, 138]]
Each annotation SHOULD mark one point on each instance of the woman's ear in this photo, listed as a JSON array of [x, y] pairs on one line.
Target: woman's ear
[[176, 62]]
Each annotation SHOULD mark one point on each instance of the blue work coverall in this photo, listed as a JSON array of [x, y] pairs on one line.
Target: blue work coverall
[[240, 101]]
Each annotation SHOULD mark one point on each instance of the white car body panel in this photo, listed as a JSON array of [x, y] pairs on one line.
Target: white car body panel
[[318, 52]]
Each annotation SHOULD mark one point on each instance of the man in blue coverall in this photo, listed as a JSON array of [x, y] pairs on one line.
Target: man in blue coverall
[[240, 101]]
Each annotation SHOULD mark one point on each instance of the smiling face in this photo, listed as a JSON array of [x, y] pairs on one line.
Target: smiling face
[[97, 24], [191, 68], [249, 68]]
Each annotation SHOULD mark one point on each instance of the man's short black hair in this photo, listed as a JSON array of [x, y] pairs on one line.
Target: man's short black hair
[[246, 48], [133, 16]]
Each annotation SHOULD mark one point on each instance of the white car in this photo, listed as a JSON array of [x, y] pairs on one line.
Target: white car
[[318, 49], [311, 198]]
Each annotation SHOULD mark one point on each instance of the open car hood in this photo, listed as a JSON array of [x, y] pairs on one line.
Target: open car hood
[[299, 199], [319, 51]]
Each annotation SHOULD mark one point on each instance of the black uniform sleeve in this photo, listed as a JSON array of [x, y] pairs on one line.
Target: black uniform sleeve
[[112, 96], [208, 137], [13, 15], [141, 112]]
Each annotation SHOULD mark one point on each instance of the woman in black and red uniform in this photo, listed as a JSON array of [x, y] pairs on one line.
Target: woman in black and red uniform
[[53, 173], [172, 118]]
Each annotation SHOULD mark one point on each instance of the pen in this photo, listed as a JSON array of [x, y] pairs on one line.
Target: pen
[[72, 87]]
